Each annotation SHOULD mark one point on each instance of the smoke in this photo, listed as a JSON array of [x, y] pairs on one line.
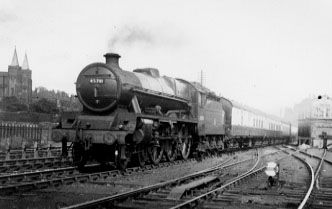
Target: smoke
[[142, 36], [130, 35]]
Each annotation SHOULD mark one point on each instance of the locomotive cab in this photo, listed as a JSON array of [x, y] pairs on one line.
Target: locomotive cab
[[211, 120]]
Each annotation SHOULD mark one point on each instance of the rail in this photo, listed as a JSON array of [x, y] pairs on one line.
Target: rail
[[312, 174], [17, 177], [307, 195], [195, 201], [146, 189], [316, 174], [80, 177]]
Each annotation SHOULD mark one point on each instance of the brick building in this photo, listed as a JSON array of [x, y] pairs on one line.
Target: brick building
[[17, 81], [311, 128], [314, 117]]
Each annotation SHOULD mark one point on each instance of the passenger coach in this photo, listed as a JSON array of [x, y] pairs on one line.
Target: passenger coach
[[251, 127]]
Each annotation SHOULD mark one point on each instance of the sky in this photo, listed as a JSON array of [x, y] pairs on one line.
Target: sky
[[267, 54]]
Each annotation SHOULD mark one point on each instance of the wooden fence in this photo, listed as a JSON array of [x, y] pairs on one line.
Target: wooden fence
[[19, 135]]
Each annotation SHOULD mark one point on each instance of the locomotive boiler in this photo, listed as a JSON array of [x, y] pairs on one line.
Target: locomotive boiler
[[100, 87], [126, 115]]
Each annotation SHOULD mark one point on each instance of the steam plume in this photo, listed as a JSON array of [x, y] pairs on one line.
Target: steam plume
[[143, 36]]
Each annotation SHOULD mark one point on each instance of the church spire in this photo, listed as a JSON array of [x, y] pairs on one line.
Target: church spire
[[14, 60], [25, 65]]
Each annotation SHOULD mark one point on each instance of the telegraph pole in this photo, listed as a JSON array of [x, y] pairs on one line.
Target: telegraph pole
[[202, 77]]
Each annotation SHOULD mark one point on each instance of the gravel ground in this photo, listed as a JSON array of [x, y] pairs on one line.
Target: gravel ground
[[315, 151], [79, 192], [325, 175], [319, 152]]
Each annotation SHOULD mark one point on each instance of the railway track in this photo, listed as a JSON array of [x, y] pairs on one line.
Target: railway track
[[23, 165], [26, 177], [321, 195], [16, 165], [173, 192], [251, 191], [32, 173], [59, 176], [17, 154], [29, 164]]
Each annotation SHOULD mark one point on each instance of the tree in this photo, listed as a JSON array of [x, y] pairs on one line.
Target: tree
[[44, 106], [13, 104], [65, 102]]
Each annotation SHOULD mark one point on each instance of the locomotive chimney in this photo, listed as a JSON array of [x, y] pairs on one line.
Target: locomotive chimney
[[112, 59]]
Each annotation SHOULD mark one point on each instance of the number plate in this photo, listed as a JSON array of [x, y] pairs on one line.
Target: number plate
[[96, 80]]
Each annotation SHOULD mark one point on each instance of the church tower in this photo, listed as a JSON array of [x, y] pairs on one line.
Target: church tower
[[14, 60], [26, 80], [25, 65], [13, 76], [19, 79]]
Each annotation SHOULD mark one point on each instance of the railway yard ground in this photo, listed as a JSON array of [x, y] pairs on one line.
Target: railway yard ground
[[293, 183]]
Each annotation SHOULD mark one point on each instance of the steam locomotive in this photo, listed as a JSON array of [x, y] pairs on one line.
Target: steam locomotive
[[141, 116]]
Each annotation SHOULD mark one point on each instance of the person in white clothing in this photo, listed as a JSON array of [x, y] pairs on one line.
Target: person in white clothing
[[272, 171]]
